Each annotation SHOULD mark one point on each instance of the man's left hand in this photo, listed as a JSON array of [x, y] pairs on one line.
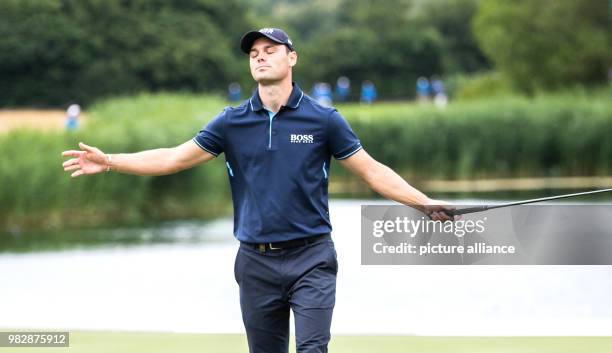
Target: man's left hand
[[435, 209]]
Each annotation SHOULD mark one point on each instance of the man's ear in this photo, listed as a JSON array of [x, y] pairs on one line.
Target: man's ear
[[293, 56]]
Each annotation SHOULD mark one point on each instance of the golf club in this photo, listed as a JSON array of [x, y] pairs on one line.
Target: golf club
[[516, 203]]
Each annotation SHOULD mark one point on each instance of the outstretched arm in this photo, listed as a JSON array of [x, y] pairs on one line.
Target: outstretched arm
[[388, 184], [161, 161]]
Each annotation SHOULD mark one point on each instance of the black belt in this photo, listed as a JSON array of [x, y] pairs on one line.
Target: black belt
[[263, 247]]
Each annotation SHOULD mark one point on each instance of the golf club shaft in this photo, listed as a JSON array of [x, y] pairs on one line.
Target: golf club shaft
[[516, 203]]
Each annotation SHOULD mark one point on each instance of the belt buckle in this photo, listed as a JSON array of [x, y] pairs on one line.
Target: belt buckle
[[273, 248]]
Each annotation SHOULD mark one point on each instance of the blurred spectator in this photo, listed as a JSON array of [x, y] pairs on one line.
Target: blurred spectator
[[322, 93], [234, 92], [368, 92], [422, 89], [343, 88], [316, 89], [72, 117], [437, 87]]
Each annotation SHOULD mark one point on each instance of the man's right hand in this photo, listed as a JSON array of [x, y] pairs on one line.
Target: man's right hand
[[89, 160]]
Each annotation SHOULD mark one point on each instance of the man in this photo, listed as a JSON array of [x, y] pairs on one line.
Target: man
[[278, 146]]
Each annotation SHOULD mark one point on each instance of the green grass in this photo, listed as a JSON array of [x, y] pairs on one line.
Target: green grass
[[129, 342], [38, 194]]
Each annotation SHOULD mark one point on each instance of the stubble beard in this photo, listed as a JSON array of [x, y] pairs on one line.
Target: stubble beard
[[268, 78]]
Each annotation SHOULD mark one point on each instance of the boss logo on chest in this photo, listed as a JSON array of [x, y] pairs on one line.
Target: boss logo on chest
[[301, 138]]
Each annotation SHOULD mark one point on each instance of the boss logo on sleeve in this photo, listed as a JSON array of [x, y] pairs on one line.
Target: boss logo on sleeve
[[298, 138]]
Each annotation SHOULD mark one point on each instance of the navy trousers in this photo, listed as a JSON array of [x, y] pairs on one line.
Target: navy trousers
[[302, 279]]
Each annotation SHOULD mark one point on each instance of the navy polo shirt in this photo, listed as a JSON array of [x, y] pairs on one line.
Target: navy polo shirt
[[278, 164]]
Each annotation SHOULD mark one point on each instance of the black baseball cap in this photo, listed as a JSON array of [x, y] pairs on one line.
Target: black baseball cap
[[274, 34]]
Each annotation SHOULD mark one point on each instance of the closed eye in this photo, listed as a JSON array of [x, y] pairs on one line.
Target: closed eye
[[268, 49]]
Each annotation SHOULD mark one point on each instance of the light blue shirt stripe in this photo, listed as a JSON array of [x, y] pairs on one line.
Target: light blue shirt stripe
[[271, 114]]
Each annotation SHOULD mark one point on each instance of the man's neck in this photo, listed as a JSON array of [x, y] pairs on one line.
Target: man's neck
[[275, 95]]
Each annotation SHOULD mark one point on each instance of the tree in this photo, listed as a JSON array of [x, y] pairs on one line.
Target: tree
[[546, 44], [373, 42], [56, 51], [452, 19]]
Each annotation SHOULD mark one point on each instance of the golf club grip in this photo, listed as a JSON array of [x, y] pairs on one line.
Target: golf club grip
[[461, 211]]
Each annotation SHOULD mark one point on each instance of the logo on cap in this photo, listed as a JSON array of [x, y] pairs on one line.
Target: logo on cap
[[274, 34]]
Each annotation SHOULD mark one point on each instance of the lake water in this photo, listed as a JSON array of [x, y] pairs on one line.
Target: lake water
[[188, 286]]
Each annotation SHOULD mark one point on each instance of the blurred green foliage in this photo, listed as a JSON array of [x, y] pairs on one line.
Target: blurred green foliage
[[452, 19], [479, 85], [547, 44], [564, 134], [56, 51], [36, 192], [505, 136], [390, 43], [53, 52], [377, 43]]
